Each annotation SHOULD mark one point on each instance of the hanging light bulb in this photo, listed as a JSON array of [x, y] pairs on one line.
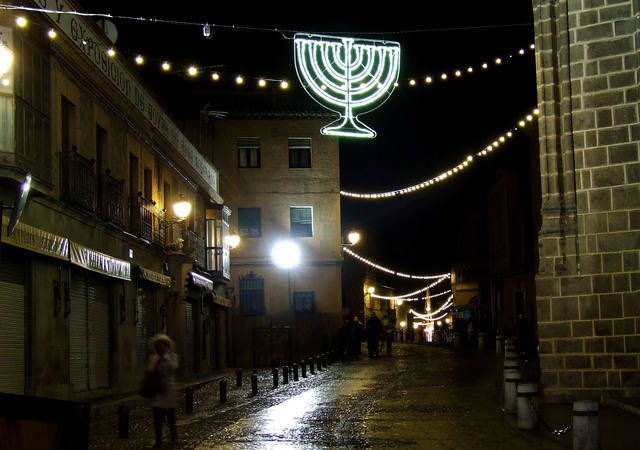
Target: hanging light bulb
[[428, 80], [166, 66], [206, 31], [52, 33], [139, 60], [239, 79], [262, 82], [458, 73], [21, 21], [192, 71], [443, 76], [215, 76], [111, 52], [412, 82], [284, 84]]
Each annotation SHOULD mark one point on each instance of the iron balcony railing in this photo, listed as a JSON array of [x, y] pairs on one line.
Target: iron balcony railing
[[147, 220], [79, 185], [194, 242], [110, 196]]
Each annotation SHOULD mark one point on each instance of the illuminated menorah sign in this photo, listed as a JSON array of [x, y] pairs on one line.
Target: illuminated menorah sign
[[347, 75]]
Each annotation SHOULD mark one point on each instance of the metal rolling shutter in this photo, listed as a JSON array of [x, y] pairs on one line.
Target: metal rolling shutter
[[12, 327], [78, 337], [188, 311], [99, 333], [145, 327]]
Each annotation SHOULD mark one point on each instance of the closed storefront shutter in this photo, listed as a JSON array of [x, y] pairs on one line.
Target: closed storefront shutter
[[12, 327], [78, 337], [89, 331], [99, 333], [145, 327], [188, 310]]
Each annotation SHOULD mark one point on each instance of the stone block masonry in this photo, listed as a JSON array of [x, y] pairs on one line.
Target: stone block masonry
[[588, 279]]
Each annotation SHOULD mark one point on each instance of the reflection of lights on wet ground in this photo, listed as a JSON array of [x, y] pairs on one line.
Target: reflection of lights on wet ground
[[281, 418]]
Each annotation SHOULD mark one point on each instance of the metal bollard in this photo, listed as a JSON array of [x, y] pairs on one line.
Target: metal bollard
[[319, 363], [123, 422], [511, 379], [327, 359], [239, 378], [311, 366], [457, 339], [527, 406], [303, 367], [188, 400], [274, 372], [285, 375], [499, 343], [481, 340], [223, 391], [254, 384], [295, 372], [586, 425]]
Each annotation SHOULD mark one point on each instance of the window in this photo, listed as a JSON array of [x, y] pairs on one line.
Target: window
[[303, 302], [249, 224], [301, 221], [299, 153], [249, 152], [251, 295]]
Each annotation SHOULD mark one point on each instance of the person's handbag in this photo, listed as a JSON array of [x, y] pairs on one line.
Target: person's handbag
[[151, 384]]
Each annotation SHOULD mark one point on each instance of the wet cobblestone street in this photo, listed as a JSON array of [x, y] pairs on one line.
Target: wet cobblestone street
[[420, 397]]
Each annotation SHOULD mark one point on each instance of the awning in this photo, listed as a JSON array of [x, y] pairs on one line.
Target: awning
[[201, 282], [154, 277], [37, 240], [99, 262]]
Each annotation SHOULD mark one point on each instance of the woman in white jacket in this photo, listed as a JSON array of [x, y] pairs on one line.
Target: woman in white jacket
[[163, 362]]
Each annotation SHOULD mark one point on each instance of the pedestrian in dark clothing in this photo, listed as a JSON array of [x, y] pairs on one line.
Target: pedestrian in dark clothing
[[345, 335], [358, 332], [374, 328]]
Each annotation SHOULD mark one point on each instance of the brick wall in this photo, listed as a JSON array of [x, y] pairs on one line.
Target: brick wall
[[588, 280]]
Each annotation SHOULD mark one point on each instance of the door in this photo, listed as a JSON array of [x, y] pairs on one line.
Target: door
[[12, 327]]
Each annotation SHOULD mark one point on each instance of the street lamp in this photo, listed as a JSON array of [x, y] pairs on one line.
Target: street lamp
[[232, 240], [182, 208], [353, 237], [286, 255]]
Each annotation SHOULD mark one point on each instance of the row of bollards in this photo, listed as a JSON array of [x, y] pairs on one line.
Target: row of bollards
[[522, 398], [294, 371]]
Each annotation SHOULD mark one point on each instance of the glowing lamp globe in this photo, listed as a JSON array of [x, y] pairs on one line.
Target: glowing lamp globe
[[182, 209], [353, 237], [415, 326], [6, 58], [233, 240], [403, 324], [400, 302], [371, 289], [439, 322], [285, 254]]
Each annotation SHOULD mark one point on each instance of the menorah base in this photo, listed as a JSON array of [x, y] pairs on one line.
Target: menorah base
[[348, 127]]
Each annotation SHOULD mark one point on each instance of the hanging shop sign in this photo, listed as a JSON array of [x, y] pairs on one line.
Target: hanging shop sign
[[99, 262], [154, 277], [201, 282], [36, 240], [348, 76]]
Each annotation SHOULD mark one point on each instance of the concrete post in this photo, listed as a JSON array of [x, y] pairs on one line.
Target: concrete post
[[303, 367], [223, 391], [239, 378], [285, 375], [123, 422], [274, 372], [511, 378], [586, 425], [481, 340], [499, 341], [188, 400], [295, 372], [527, 406], [319, 363], [312, 369], [254, 384], [457, 339]]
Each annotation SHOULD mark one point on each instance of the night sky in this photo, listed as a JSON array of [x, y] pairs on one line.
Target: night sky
[[421, 130]]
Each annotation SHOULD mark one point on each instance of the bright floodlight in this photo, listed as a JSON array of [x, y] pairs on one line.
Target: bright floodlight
[[233, 240], [285, 254], [6, 58], [182, 209], [353, 237]]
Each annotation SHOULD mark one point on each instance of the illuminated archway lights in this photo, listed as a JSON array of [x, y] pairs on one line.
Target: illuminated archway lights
[[347, 75], [455, 170], [413, 299], [393, 272], [402, 297], [429, 315]]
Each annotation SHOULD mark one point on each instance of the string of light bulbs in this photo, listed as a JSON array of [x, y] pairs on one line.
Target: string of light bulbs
[[430, 79], [426, 316], [208, 27], [455, 170], [398, 297], [411, 299], [390, 271]]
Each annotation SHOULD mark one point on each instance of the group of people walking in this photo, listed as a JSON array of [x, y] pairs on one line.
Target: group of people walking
[[353, 332]]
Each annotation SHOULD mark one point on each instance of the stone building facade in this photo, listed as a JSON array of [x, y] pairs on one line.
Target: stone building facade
[[281, 179], [97, 263], [588, 280]]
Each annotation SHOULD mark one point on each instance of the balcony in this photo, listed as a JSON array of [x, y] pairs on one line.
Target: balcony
[[79, 180], [147, 220], [193, 242], [110, 193]]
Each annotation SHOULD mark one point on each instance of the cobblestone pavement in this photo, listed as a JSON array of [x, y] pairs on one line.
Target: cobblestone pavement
[[420, 397]]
